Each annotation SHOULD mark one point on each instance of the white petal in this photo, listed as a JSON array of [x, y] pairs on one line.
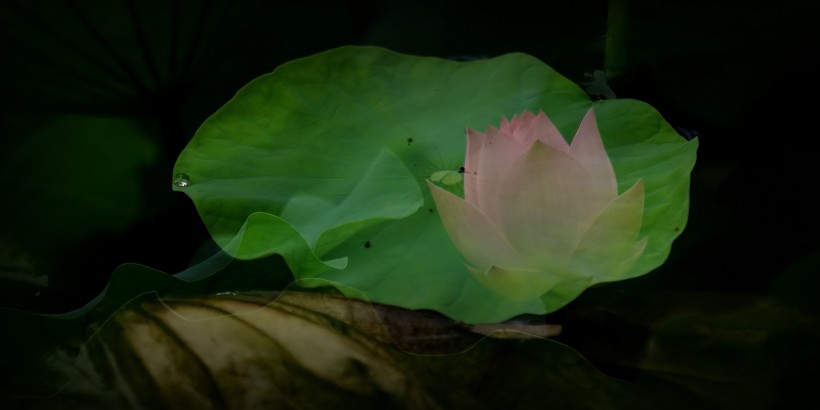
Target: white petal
[[518, 284], [610, 246], [545, 204], [481, 244]]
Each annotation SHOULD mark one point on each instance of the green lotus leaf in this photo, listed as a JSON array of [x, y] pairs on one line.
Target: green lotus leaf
[[334, 150]]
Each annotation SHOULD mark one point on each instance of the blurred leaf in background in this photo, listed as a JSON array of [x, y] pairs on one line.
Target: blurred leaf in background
[[98, 98], [69, 181]]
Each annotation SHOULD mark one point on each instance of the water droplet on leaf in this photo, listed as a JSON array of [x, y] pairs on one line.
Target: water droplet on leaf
[[182, 180]]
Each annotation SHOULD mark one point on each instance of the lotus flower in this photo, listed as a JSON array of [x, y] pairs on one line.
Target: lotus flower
[[538, 212]]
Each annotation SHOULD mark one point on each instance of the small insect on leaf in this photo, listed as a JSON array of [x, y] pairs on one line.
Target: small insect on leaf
[[367, 244]]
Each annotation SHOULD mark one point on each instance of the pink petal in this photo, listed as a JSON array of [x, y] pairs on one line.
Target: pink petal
[[516, 128], [488, 158], [472, 162], [530, 128], [610, 247], [545, 203], [481, 244], [588, 149]]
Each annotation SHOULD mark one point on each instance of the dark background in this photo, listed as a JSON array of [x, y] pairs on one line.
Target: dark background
[[97, 99]]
